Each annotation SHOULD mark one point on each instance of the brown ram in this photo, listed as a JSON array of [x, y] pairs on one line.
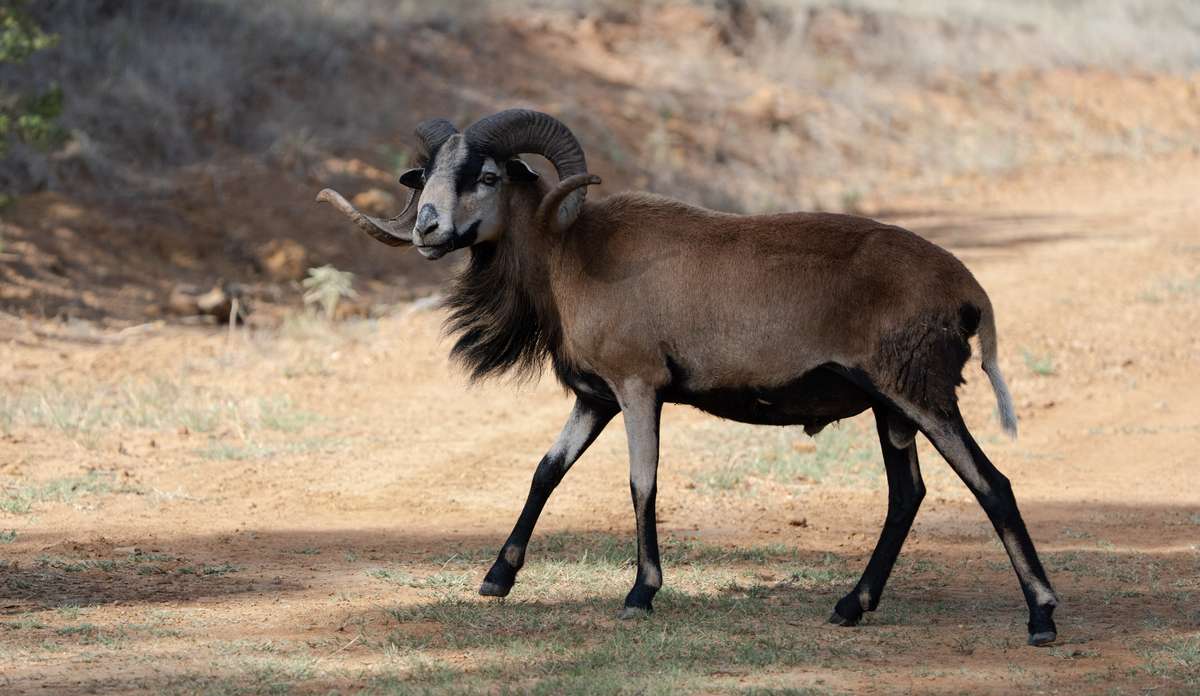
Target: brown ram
[[638, 300]]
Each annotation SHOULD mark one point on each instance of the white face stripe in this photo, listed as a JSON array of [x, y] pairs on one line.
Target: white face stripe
[[475, 213], [439, 181]]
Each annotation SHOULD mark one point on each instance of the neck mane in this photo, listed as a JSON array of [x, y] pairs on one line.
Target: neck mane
[[503, 324]]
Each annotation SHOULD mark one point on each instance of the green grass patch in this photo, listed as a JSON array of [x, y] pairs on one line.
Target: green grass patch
[[236, 675], [1174, 289], [253, 450], [27, 623], [77, 566], [1176, 659], [20, 500], [843, 452], [551, 644], [1039, 364], [219, 569]]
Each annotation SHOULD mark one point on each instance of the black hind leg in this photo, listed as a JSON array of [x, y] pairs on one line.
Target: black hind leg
[[905, 492]]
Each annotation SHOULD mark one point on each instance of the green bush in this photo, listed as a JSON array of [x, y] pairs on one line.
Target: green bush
[[29, 118]]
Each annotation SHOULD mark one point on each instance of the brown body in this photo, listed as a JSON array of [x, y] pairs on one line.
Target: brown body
[[741, 302], [637, 300]]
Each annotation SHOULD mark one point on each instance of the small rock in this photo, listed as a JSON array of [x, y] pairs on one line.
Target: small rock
[[281, 260], [188, 300], [801, 522], [352, 309], [182, 299], [375, 202], [126, 550]]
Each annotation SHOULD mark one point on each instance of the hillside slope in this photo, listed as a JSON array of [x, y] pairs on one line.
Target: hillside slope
[[201, 129]]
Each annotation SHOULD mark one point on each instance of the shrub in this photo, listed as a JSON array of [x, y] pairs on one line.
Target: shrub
[[28, 118]]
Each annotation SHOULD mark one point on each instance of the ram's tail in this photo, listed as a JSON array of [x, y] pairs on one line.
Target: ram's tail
[[987, 345]]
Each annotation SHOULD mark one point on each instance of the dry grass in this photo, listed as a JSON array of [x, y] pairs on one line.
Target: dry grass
[[166, 403]]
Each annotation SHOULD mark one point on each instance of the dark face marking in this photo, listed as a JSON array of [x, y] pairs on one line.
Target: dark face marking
[[467, 238], [463, 189], [466, 177]]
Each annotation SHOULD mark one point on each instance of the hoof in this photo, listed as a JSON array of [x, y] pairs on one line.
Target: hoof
[[1042, 630], [838, 620], [628, 613], [1042, 638], [847, 612], [491, 589]]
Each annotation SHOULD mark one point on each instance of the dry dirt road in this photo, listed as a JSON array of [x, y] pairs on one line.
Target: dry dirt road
[[312, 509]]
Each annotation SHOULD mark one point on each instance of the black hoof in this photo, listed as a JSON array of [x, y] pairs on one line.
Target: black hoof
[[628, 613], [499, 580], [1042, 638], [491, 589], [847, 612], [838, 620], [1042, 630], [639, 599]]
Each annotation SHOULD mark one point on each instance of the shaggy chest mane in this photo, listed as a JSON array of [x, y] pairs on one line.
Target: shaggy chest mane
[[498, 324]]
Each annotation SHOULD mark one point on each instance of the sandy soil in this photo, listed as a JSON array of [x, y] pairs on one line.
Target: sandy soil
[[311, 509]]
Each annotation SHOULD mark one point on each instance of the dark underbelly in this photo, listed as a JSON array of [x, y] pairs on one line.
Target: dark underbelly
[[816, 398]]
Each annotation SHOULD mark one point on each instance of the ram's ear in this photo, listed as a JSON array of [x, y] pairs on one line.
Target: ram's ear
[[517, 170], [413, 178]]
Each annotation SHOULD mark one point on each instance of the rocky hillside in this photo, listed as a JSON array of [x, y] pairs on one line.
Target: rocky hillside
[[200, 130]]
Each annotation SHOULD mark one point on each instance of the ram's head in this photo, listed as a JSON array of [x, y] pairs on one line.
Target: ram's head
[[462, 192]]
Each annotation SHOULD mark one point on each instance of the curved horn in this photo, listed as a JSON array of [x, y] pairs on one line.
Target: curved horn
[[433, 133], [512, 132], [553, 202], [398, 230], [394, 232]]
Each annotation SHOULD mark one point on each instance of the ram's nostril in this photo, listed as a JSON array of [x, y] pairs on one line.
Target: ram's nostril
[[427, 219]]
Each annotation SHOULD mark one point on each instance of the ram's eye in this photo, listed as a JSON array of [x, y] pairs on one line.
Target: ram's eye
[[489, 179]]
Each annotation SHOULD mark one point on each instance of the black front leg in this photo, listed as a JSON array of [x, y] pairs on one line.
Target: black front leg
[[642, 408], [587, 420]]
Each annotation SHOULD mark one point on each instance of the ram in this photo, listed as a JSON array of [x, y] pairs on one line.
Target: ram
[[638, 300]]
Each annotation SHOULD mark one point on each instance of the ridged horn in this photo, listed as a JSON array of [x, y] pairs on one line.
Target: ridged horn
[[554, 198], [433, 133], [394, 232], [515, 131]]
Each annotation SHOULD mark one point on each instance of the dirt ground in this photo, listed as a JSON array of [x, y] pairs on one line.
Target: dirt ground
[[312, 508]]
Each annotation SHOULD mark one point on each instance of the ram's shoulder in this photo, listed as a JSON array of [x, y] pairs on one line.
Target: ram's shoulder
[[644, 204]]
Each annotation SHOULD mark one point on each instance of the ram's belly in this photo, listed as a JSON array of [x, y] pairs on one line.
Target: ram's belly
[[814, 399]]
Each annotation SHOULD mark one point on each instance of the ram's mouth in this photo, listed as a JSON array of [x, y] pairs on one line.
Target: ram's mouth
[[435, 251]]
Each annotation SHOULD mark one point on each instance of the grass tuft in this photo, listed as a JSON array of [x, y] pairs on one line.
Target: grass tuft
[[1042, 365], [158, 404], [842, 451], [20, 500]]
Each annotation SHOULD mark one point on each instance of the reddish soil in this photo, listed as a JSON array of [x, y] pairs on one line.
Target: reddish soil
[[259, 536]]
